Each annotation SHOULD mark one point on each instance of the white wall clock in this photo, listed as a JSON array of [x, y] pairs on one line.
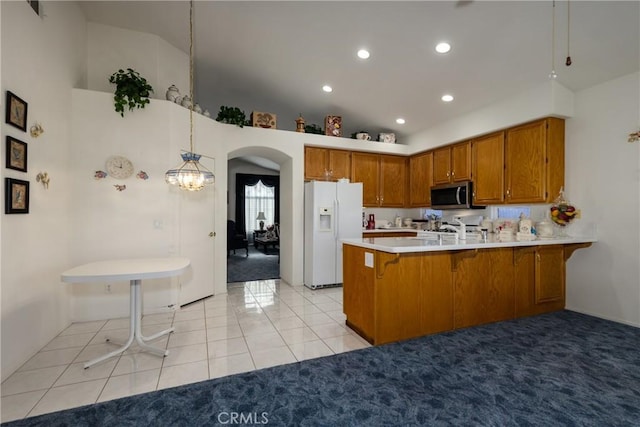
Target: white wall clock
[[119, 167]]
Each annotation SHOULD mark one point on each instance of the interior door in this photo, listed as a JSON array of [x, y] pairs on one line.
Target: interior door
[[196, 224]]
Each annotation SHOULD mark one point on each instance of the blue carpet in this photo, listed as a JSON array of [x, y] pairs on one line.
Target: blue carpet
[[256, 266], [556, 369]]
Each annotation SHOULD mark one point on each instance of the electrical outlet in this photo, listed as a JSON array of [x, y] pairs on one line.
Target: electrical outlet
[[107, 288]]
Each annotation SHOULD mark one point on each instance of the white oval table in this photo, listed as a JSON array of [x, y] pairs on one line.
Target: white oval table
[[133, 270]]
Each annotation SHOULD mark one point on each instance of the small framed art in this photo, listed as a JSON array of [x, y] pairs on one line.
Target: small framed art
[[16, 196], [333, 125], [16, 154], [16, 111]]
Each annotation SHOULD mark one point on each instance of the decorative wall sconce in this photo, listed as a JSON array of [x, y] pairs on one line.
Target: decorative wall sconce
[[36, 130], [43, 177]]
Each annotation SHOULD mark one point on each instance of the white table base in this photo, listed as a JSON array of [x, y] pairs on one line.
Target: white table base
[[135, 328]]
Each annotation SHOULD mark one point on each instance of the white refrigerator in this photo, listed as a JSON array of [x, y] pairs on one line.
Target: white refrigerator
[[332, 211]]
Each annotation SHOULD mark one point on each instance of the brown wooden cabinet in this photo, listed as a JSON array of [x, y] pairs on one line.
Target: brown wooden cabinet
[[318, 160], [381, 310], [534, 161], [483, 286], [365, 169], [452, 163], [383, 178], [394, 296], [420, 179], [487, 164], [540, 287], [390, 234]]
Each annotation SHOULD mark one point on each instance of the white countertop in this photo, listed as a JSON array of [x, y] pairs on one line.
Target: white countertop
[[432, 244]]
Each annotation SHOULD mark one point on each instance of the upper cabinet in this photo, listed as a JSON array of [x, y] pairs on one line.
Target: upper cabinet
[[383, 178], [534, 161], [319, 161], [452, 163], [487, 164], [420, 179], [520, 165], [393, 181]]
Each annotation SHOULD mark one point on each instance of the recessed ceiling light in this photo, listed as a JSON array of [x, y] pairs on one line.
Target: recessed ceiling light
[[443, 47], [447, 98], [400, 121], [327, 88], [363, 54]]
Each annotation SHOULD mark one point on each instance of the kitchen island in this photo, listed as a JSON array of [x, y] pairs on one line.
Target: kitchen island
[[397, 288]]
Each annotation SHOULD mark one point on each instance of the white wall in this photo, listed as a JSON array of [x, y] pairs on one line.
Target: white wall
[[112, 48], [602, 180], [42, 59], [138, 222], [547, 99]]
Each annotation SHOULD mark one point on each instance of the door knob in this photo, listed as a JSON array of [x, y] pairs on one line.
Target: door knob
[[212, 234]]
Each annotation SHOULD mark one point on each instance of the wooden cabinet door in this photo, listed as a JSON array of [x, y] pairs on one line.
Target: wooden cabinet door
[[549, 274], [420, 179], [393, 181], [365, 169], [442, 165], [487, 159], [461, 162], [526, 156], [540, 279], [340, 164], [316, 161]]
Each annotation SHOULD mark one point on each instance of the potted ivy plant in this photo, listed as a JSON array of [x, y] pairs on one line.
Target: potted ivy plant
[[232, 116], [132, 90]]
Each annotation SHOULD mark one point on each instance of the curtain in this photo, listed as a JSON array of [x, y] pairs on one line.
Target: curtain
[[246, 221], [258, 198]]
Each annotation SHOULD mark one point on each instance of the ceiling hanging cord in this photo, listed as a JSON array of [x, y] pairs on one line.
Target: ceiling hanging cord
[[553, 74], [568, 62], [190, 175]]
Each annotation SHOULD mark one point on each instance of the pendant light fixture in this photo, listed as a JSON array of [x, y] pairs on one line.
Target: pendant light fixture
[[552, 74], [190, 175]]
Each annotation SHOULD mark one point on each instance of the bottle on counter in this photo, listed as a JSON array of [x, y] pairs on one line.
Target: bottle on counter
[[398, 221], [371, 224]]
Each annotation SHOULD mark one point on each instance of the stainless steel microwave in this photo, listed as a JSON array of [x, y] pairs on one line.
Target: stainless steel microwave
[[453, 196]]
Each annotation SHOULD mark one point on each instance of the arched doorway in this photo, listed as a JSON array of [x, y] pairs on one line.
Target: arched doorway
[[253, 215], [291, 194]]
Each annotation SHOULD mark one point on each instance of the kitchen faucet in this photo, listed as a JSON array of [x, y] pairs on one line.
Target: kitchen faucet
[[461, 229]]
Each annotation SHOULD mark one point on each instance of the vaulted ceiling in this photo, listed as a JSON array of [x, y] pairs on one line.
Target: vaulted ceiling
[[276, 56]]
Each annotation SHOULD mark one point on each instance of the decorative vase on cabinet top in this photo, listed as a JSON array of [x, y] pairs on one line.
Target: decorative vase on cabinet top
[[172, 93], [186, 101]]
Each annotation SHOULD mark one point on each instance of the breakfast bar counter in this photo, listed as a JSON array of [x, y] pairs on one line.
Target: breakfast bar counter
[[406, 287]]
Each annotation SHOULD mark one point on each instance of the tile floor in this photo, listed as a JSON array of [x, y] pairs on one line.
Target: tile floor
[[255, 325]]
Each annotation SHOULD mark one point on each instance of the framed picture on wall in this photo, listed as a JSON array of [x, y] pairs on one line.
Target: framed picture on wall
[[16, 154], [16, 111], [16, 196]]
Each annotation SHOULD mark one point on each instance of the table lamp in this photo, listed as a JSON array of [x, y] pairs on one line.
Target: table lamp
[[261, 218]]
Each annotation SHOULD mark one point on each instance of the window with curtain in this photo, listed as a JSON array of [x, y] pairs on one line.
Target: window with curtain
[[258, 198], [253, 193]]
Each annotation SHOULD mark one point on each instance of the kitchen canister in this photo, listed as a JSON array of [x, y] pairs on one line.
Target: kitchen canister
[[544, 229]]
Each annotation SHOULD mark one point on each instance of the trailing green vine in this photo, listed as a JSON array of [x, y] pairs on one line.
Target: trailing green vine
[[132, 90]]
